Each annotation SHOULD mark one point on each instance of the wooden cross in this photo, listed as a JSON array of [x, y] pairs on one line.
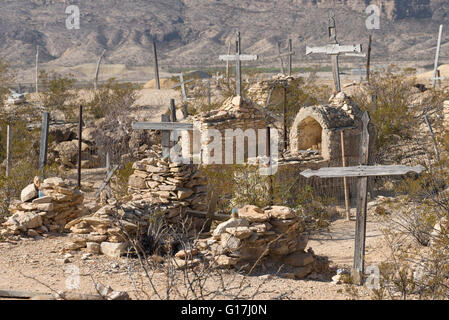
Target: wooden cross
[[436, 72], [182, 84], [334, 49], [166, 127], [156, 67], [238, 58], [363, 171], [288, 54]]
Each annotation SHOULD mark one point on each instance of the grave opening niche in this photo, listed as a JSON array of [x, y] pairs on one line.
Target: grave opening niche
[[310, 135]]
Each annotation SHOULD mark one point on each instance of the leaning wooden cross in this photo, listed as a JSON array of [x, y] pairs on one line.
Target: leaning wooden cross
[[238, 58], [362, 172], [436, 72], [334, 49], [182, 84], [288, 54], [166, 127]]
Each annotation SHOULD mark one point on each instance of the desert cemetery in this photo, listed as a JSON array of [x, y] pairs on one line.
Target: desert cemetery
[[248, 178]]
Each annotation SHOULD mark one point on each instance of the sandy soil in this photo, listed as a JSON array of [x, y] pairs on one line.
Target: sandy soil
[[28, 264]]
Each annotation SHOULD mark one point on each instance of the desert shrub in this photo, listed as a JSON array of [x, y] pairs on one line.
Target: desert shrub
[[240, 185], [6, 78], [57, 93], [119, 183], [112, 99], [392, 92]]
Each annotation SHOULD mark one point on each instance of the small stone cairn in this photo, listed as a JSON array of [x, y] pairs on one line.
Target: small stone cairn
[[274, 234], [61, 203]]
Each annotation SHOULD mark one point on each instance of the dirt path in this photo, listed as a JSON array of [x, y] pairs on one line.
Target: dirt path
[[24, 264]]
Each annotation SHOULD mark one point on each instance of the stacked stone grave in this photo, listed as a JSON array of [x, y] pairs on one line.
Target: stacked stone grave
[[172, 187], [61, 202], [274, 234], [158, 187]]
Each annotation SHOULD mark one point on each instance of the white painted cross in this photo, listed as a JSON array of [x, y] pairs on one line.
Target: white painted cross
[[436, 72], [362, 172], [334, 49], [238, 58], [182, 84]]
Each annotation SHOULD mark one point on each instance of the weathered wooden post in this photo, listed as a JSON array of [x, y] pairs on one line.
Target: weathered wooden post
[[280, 58], [97, 71], [334, 49], [360, 226], [290, 49], [37, 68], [437, 56], [156, 67], [285, 117], [108, 171], [238, 58], [368, 59], [270, 177], [362, 172], [345, 180], [173, 110], [80, 140], [44, 140], [435, 144], [8, 150]]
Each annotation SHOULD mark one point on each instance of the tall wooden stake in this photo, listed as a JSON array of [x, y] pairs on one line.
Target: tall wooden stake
[[156, 67], [290, 48], [44, 140], [173, 110], [37, 68], [360, 231], [368, 60], [8, 151], [270, 177], [227, 65], [97, 71], [108, 171], [80, 139], [165, 141], [345, 180], [285, 118]]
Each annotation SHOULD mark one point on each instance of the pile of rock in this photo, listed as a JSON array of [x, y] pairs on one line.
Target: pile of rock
[[171, 187], [103, 230], [274, 234], [61, 203], [273, 88], [158, 187]]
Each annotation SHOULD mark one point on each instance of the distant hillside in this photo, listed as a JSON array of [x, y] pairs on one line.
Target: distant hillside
[[196, 31]]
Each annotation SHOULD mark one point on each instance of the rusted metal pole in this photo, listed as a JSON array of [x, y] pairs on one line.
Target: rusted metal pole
[[345, 180]]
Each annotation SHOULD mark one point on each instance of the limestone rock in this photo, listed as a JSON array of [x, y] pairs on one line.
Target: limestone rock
[[299, 259], [93, 247], [253, 214], [225, 261], [229, 242], [229, 224], [239, 232], [28, 193], [113, 250], [280, 212], [27, 220]]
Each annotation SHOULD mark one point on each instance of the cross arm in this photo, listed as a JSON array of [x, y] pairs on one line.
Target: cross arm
[[180, 84], [169, 126], [241, 57], [361, 171]]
